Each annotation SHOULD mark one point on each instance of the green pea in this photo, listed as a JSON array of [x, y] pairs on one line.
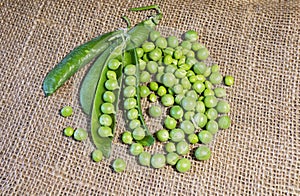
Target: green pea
[[200, 107], [155, 54], [168, 51], [190, 53], [192, 94], [105, 120], [224, 122], [158, 161], [190, 73], [111, 84], [68, 131], [111, 75], [97, 155], [176, 112], [130, 70], [152, 97], [168, 79], [161, 42], [220, 92], [179, 97], [158, 76], [66, 111], [170, 69], [182, 148], [172, 158], [170, 147], [186, 45], [200, 119], [144, 91], [170, 123], [161, 91], [185, 83], [139, 52], [188, 103], [191, 36], [104, 131], [202, 153], [208, 85], [229, 80], [127, 137], [215, 78], [113, 64], [162, 135], [172, 41], [119, 165], [152, 67], [129, 91], [154, 35], [80, 134], [138, 133], [185, 66], [187, 126], [142, 64], [212, 126], [153, 86], [211, 113], [181, 61], [145, 158], [196, 46], [134, 124], [207, 72], [199, 87], [189, 115], [168, 60], [109, 96], [210, 101], [130, 81], [107, 108], [155, 111], [208, 92], [132, 114], [176, 135], [202, 54], [223, 106], [145, 57], [191, 61], [178, 54], [145, 76], [136, 149], [193, 138], [193, 79], [183, 165], [215, 68], [205, 137], [148, 46], [180, 73], [130, 103], [199, 68]]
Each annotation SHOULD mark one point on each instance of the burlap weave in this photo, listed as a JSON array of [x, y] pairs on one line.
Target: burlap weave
[[258, 42]]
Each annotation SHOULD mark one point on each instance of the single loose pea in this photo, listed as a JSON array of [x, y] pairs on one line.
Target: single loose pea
[[127, 137], [129, 103], [158, 160], [139, 52], [199, 68], [154, 35], [144, 91], [162, 135], [66, 111], [155, 54], [211, 113], [129, 91], [190, 53], [167, 100], [161, 91], [158, 76], [145, 76], [105, 120], [220, 92], [168, 79], [172, 41], [176, 112], [145, 57], [168, 60], [200, 119], [193, 138], [170, 68], [187, 126], [191, 36], [119, 165], [178, 54], [208, 92], [148, 46], [182, 148], [97, 155], [191, 61], [161, 42], [136, 149], [142, 65], [109, 96], [113, 64], [111, 84], [202, 153], [199, 87], [179, 97], [68, 131], [215, 78], [145, 158], [223, 106], [190, 73], [202, 54], [196, 46], [215, 68], [111, 75], [138, 133], [180, 73], [188, 103], [169, 51], [172, 158], [153, 86], [130, 70], [104, 131], [200, 107], [155, 111], [170, 147], [210, 101], [208, 85], [185, 83], [212, 126], [207, 72], [177, 88], [132, 114], [205, 137], [186, 45], [185, 66], [192, 94], [224, 122], [130, 80], [152, 97], [152, 67], [134, 124], [107, 108], [189, 115], [229, 80], [176, 135], [183, 165], [80, 134], [170, 123]]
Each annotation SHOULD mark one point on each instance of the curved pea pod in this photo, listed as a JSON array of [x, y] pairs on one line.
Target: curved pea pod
[[76, 59]]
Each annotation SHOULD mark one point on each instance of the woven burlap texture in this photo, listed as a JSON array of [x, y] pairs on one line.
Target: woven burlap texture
[[258, 42]]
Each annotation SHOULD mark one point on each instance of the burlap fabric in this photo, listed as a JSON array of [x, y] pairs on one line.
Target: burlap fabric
[[255, 41]]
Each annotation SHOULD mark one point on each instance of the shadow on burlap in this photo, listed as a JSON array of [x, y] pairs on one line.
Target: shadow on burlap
[[256, 42]]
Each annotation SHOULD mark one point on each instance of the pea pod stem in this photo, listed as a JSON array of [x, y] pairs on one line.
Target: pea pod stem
[[156, 7]]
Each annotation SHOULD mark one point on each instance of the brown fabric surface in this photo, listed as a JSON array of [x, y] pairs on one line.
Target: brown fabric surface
[[258, 42]]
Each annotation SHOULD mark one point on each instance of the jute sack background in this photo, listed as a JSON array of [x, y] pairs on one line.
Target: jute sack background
[[258, 42]]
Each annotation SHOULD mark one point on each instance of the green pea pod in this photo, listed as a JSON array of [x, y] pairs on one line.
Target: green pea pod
[[105, 143], [76, 59]]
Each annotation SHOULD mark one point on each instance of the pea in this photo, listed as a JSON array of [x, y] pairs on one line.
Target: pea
[[161, 42], [207, 72], [215, 78], [104, 131], [130, 81], [215, 68], [132, 114], [189, 115], [170, 147], [211, 113], [179, 97], [200, 107], [66, 111], [208, 85], [111, 84], [139, 52], [138, 133], [145, 76], [192, 94], [190, 53], [170, 69], [212, 126], [145, 158], [224, 122], [185, 66], [205, 137], [220, 92], [136, 149], [199, 87], [183, 165], [154, 35], [190, 73], [191, 36], [186, 45], [200, 119], [130, 103], [199, 68], [185, 83], [130, 70], [208, 92], [188, 103], [176, 135], [111, 75], [155, 54], [178, 54], [178, 89], [152, 97], [127, 137], [134, 124], [182, 148], [155, 111], [172, 41], [158, 160], [193, 138], [223, 106], [158, 76], [168, 79], [202, 153], [148, 46], [113, 64], [162, 135], [107, 108], [187, 126], [153, 86], [196, 46], [191, 61], [142, 64], [109, 96], [202, 54], [161, 91], [176, 112], [152, 67], [210, 101], [119, 165], [129, 91], [80, 134], [180, 73], [68, 131], [172, 158], [169, 51], [144, 91], [97, 155], [181, 61], [229, 80], [105, 120], [170, 123]]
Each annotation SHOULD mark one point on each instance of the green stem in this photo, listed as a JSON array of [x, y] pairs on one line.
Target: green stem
[[156, 7], [127, 21]]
